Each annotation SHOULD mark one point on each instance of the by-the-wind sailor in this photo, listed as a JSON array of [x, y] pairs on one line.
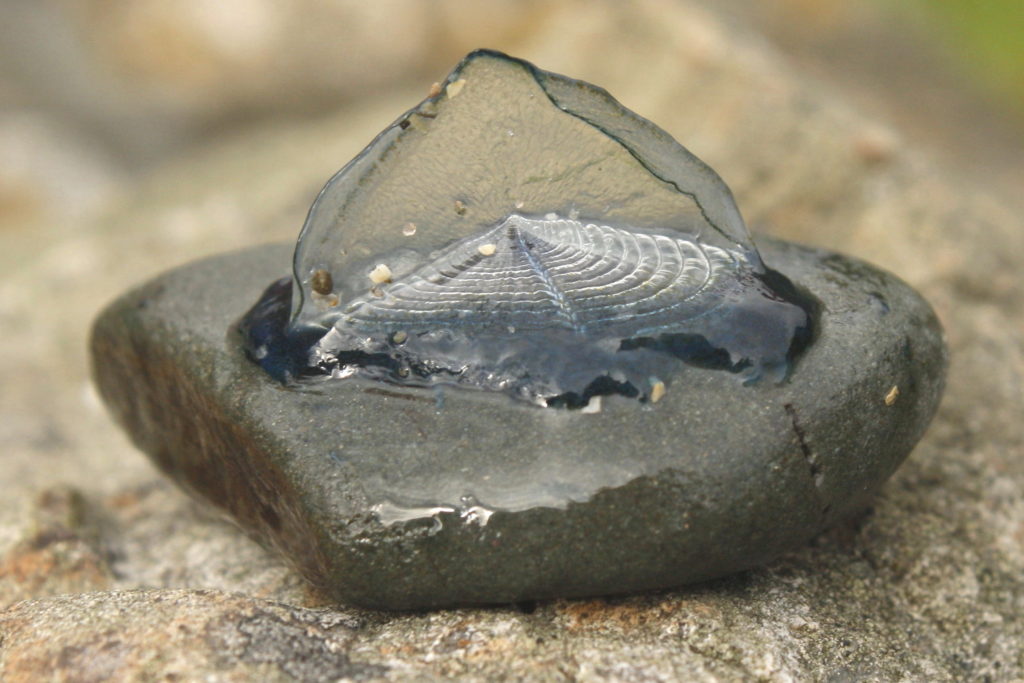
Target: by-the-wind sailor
[[520, 231], [521, 234]]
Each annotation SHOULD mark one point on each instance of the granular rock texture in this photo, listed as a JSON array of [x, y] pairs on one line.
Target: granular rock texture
[[201, 633]]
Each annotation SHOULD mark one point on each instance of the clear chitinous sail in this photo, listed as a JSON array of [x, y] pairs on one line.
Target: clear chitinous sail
[[522, 232]]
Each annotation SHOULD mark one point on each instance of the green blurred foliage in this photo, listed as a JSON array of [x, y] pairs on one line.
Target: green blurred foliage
[[984, 37]]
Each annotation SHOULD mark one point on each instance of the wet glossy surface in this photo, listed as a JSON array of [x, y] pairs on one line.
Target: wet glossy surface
[[522, 232], [387, 496]]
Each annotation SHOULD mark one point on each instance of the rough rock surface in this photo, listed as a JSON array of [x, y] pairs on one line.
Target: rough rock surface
[[201, 634], [925, 586]]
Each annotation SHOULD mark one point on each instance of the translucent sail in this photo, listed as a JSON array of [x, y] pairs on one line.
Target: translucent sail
[[521, 231], [503, 137]]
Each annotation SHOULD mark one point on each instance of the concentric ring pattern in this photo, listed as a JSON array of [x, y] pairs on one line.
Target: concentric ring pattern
[[553, 273]]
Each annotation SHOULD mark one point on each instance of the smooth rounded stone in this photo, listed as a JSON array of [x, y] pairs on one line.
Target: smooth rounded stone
[[404, 497]]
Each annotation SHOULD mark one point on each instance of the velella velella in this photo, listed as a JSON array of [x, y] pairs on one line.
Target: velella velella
[[519, 234], [522, 232]]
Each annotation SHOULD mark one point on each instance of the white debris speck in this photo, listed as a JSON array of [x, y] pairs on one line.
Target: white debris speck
[[389, 513], [399, 337], [380, 275], [551, 216], [594, 406], [487, 249], [343, 372], [409, 229], [477, 514], [454, 88]]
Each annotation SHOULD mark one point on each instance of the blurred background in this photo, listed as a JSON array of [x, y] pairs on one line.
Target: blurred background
[[95, 94], [136, 135]]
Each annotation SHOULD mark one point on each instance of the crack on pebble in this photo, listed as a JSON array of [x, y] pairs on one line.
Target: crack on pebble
[[813, 466]]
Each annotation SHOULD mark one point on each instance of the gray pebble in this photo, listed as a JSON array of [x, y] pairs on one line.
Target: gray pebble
[[408, 498]]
